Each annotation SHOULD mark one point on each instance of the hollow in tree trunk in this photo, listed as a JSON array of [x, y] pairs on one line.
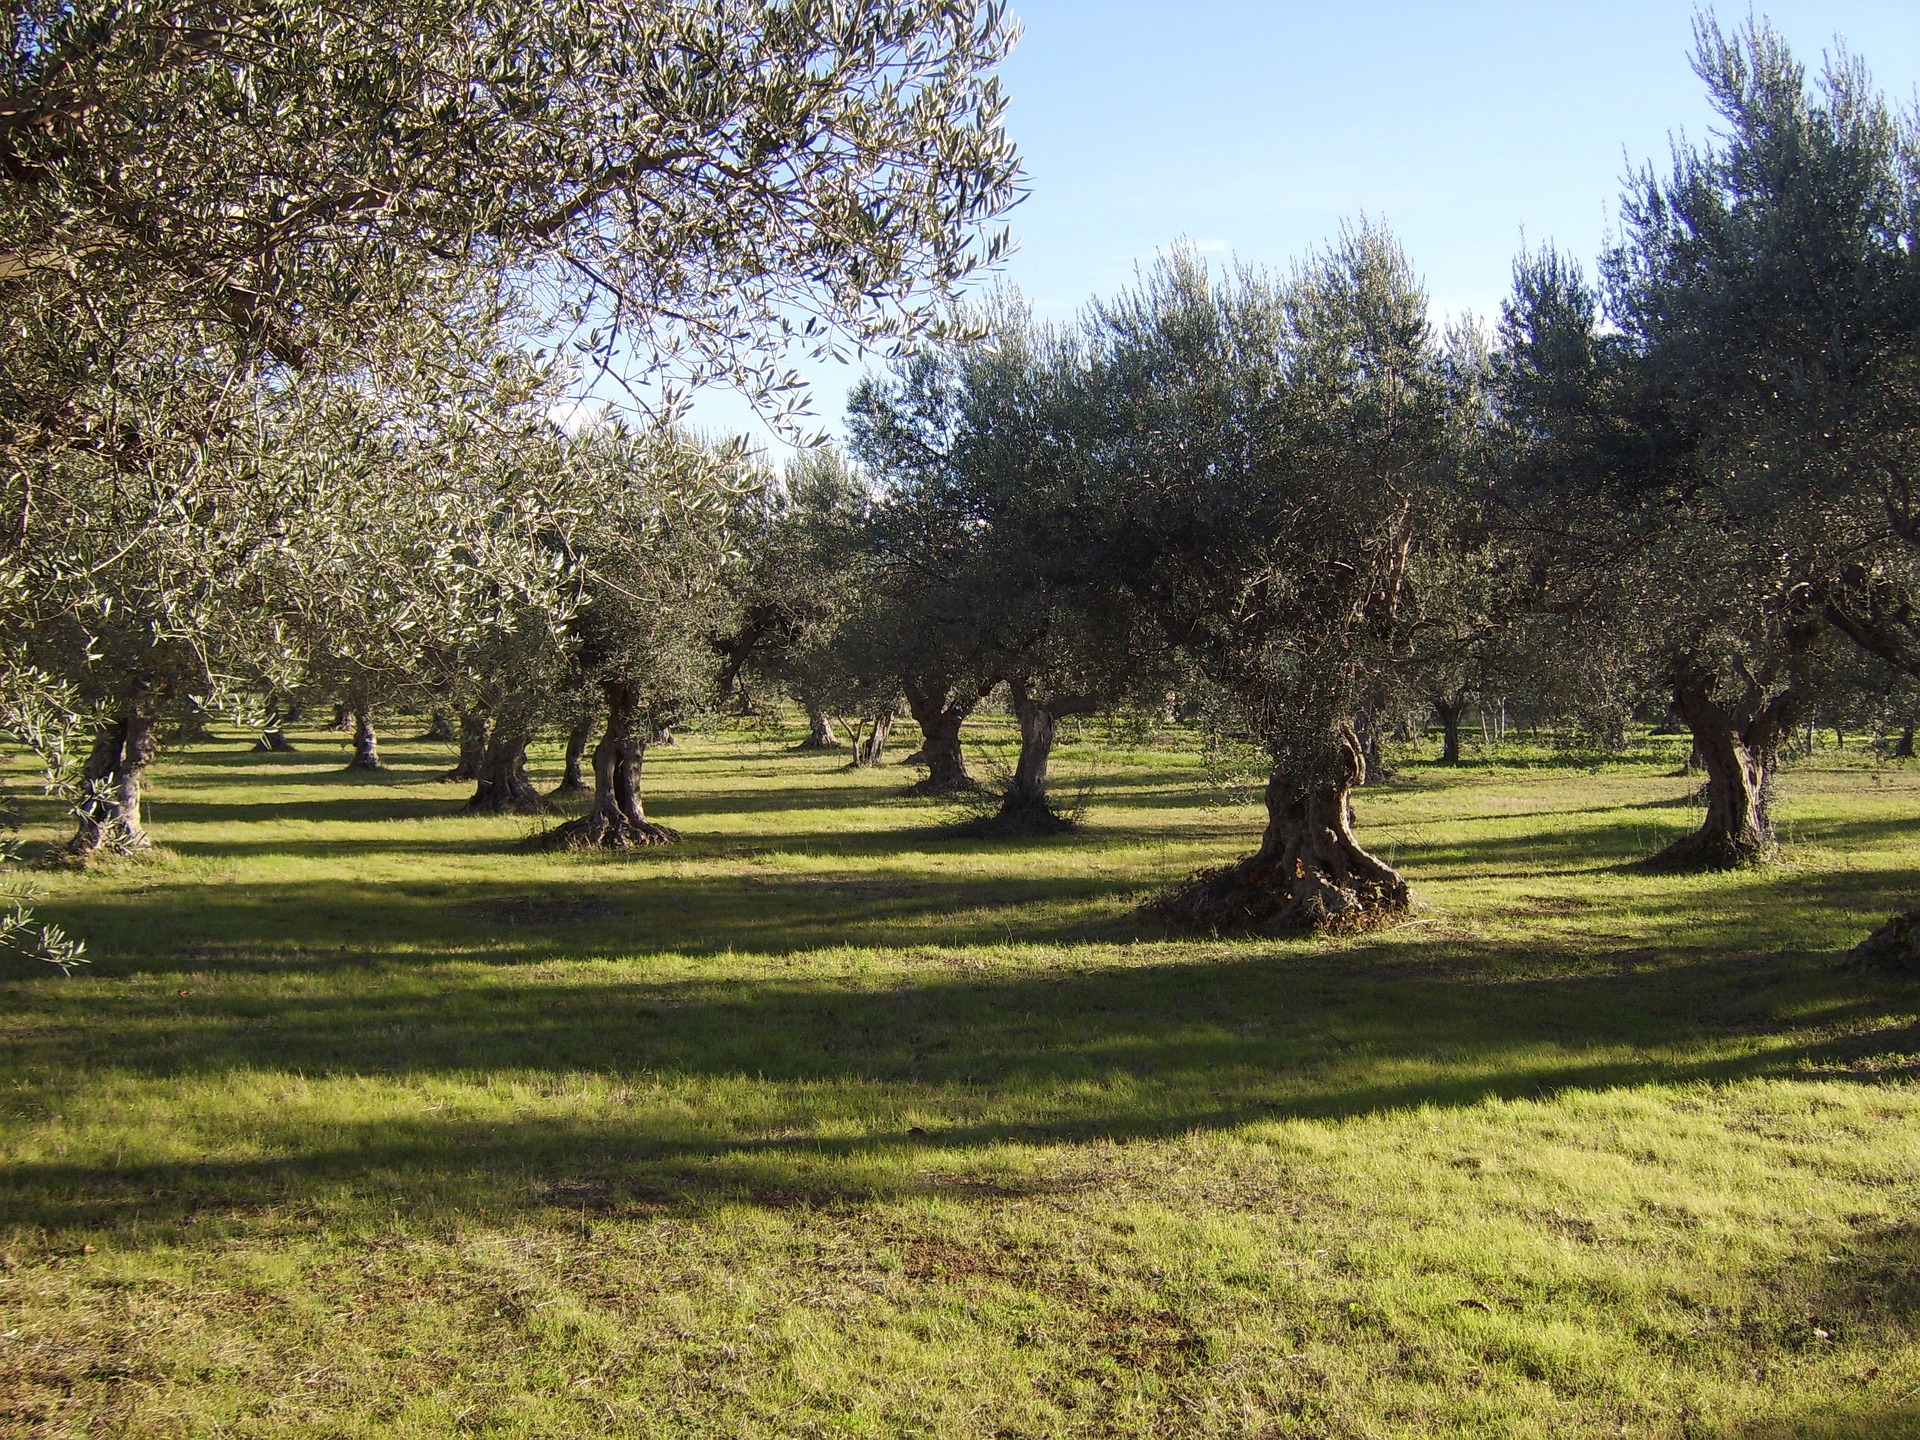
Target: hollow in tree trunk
[[475, 730], [502, 786], [366, 744], [1735, 743], [1449, 708], [820, 734], [940, 714], [573, 774], [617, 820], [109, 808], [1309, 872]]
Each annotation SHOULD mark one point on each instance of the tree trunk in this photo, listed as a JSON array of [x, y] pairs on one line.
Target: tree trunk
[[940, 717], [1737, 757], [109, 808], [820, 734], [573, 775], [1310, 872], [871, 749], [439, 729], [617, 819], [1449, 708], [1903, 747], [476, 728], [366, 744], [272, 736], [502, 786], [1024, 807], [342, 717]]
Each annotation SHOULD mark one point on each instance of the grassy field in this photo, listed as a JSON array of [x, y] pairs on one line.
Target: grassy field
[[365, 1122]]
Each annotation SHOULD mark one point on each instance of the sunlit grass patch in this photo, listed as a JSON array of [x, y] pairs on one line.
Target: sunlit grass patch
[[369, 1121]]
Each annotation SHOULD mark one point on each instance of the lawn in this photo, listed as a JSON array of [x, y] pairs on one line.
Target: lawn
[[368, 1122]]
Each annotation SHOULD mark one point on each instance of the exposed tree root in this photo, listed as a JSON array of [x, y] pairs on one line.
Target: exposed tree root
[[1702, 853], [597, 830], [1894, 946], [1008, 822], [1261, 894]]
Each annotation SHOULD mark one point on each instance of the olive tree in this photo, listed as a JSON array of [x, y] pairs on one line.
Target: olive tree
[[1274, 453], [652, 561]]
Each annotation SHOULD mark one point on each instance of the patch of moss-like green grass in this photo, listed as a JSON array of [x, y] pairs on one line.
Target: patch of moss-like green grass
[[367, 1121]]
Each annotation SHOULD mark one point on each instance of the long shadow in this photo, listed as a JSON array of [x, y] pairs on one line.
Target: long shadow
[[1120, 1053]]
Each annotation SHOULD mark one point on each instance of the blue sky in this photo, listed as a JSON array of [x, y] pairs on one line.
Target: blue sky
[[1255, 129]]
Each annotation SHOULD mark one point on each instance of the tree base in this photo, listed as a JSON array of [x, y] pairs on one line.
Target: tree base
[[1256, 895], [275, 742], [567, 789], [814, 742], [598, 831], [1894, 946], [1704, 854], [361, 762], [1016, 821]]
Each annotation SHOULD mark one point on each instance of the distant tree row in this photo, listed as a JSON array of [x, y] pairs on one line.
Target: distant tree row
[[281, 434]]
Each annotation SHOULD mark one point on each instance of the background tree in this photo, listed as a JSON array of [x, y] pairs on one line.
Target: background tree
[[652, 562]]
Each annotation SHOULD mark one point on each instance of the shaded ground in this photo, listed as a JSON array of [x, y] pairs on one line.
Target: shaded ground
[[830, 1123]]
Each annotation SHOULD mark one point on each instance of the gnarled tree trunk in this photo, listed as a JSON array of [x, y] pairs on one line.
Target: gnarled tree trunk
[[502, 786], [272, 736], [1903, 747], [366, 744], [439, 729], [109, 808], [940, 714], [573, 774], [1309, 871], [476, 728], [820, 734], [870, 749], [1024, 807], [617, 819], [1735, 744]]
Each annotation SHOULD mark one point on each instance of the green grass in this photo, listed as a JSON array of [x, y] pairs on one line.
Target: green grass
[[367, 1122]]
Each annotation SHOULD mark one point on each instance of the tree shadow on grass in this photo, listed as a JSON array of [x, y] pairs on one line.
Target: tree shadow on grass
[[747, 1087]]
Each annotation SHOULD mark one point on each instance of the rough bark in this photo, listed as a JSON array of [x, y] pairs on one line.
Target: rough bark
[[109, 808], [1024, 808], [476, 728], [1310, 872], [940, 714], [501, 787], [820, 734], [617, 819], [439, 729], [366, 743], [1735, 743], [272, 736], [871, 749], [573, 774], [1894, 946], [342, 717], [1449, 708]]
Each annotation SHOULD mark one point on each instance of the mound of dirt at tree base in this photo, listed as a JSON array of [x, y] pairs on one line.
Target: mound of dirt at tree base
[[1894, 946]]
